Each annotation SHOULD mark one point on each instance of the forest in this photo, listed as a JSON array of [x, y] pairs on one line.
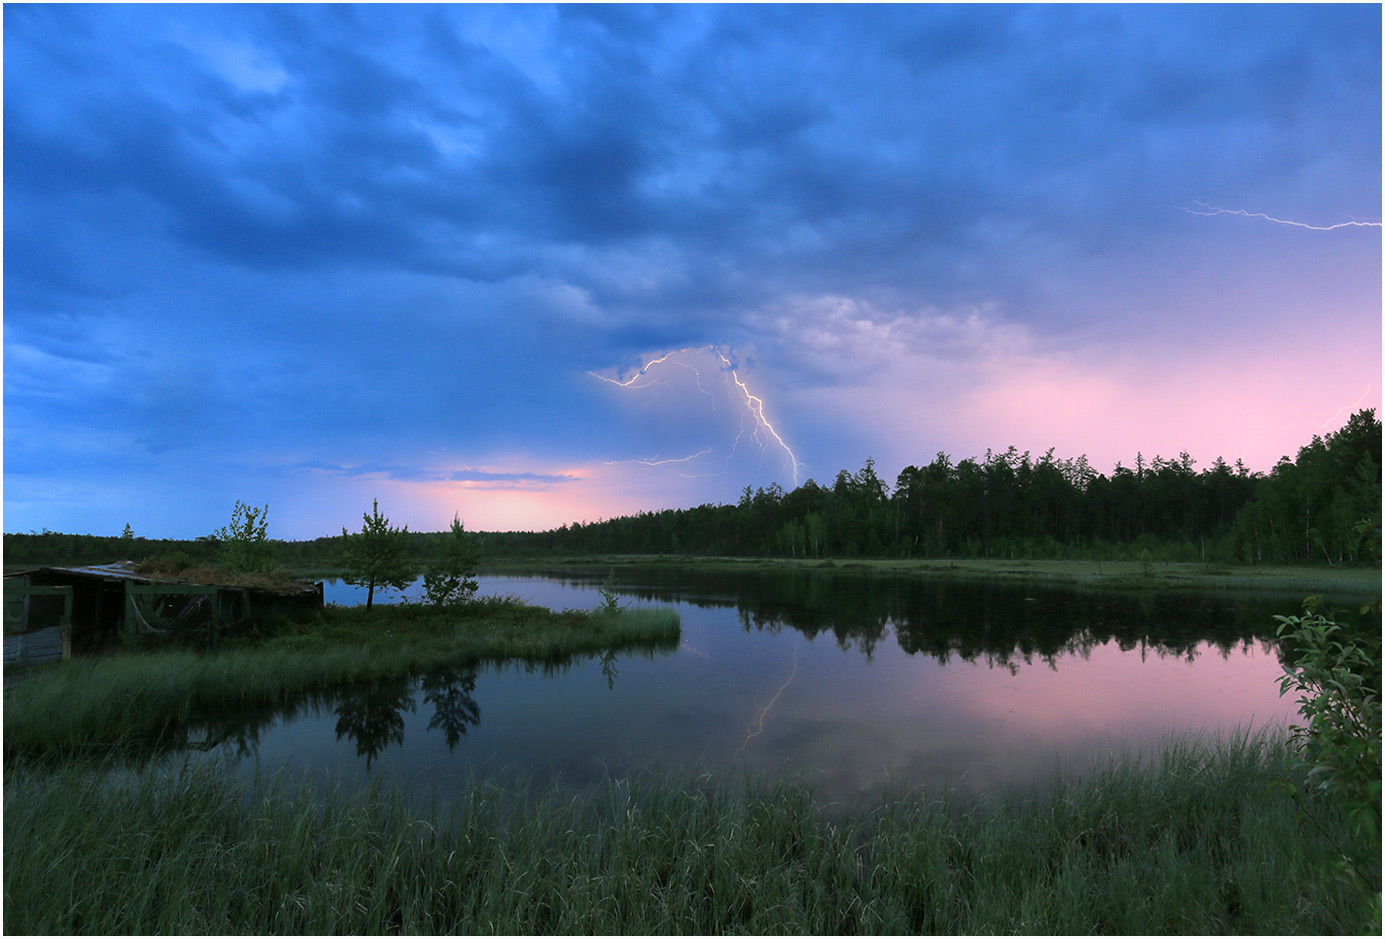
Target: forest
[[1321, 507]]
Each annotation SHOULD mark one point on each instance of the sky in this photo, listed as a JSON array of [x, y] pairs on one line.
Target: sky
[[536, 265]]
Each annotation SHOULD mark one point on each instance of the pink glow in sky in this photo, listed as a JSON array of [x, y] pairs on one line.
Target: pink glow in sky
[[1256, 405], [914, 228]]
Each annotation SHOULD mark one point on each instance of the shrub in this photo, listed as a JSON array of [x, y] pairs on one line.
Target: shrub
[[245, 547], [1336, 670], [610, 600]]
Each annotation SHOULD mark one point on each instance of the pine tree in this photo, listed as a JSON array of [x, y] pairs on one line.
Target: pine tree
[[452, 579], [377, 556]]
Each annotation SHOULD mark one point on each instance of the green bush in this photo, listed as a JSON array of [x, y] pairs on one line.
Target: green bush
[[245, 547], [1336, 671]]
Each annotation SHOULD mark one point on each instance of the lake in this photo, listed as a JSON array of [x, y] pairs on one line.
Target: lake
[[861, 683]]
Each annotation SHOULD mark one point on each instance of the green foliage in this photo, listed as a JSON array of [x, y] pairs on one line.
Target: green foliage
[[170, 565], [1146, 563], [452, 579], [1336, 670], [1012, 505], [245, 547], [610, 600], [127, 534], [377, 556]]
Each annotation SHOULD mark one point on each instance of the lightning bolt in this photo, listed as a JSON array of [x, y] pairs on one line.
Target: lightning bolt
[[1205, 209], [758, 723], [756, 408], [630, 382], [753, 414], [658, 462], [1353, 408]]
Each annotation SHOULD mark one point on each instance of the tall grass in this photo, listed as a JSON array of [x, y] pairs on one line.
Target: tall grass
[[119, 699], [1198, 842]]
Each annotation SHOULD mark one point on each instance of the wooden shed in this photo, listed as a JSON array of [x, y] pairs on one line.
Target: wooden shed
[[104, 605]]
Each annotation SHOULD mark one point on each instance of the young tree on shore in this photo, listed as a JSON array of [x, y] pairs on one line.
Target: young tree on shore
[[377, 556], [452, 579]]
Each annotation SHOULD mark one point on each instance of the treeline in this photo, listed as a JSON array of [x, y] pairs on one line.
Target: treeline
[[57, 549], [1323, 506], [1010, 505]]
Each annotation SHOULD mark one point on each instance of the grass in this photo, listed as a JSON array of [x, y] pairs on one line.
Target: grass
[[1107, 575], [186, 571], [129, 698], [1201, 842]]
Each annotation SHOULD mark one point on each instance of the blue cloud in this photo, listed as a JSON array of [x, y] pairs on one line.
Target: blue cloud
[[317, 234]]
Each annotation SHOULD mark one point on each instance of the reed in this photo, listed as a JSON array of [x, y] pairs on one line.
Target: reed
[[1198, 841], [114, 701]]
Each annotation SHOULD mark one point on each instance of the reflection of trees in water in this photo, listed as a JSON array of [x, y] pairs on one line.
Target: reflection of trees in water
[[1005, 625], [608, 668], [454, 709], [372, 714]]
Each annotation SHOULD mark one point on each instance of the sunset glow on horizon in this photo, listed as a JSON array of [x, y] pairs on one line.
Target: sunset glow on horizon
[[537, 265]]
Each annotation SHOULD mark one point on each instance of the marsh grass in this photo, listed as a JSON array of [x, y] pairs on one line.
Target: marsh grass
[[1198, 842], [120, 700], [1343, 582]]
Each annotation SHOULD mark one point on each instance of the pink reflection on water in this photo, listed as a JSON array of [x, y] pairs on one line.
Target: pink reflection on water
[[1136, 695], [978, 725]]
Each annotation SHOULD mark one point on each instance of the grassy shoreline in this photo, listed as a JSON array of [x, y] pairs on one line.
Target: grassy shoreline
[[1201, 842], [1103, 575], [130, 697]]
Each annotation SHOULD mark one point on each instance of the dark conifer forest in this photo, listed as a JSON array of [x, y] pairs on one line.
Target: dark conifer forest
[[1321, 507]]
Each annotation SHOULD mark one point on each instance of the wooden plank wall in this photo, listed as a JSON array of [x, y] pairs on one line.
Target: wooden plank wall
[[34, 648]]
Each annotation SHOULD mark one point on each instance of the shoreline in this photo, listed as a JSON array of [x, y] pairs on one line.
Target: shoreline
[[1100, 575], [93, 703]]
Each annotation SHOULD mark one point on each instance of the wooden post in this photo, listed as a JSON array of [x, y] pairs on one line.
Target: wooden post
[[131, 618], [67, 623]]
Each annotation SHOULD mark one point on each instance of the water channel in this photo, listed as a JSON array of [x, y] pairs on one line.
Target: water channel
[[859, 683]]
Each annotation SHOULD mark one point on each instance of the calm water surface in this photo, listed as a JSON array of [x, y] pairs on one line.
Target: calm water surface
[[860, 683]]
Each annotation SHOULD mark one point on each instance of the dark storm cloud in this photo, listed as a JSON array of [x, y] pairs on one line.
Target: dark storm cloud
[[731, 146], [348, 235]]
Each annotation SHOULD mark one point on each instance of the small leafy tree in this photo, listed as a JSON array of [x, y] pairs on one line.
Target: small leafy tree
[[245, 547], [377, 556], [452, 580], [610, 600], [128, 534]]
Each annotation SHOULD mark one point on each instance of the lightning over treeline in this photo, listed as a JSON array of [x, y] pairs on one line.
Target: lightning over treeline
[[751, 417], [1005, 505], [1010, 504], [1204, 209]]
